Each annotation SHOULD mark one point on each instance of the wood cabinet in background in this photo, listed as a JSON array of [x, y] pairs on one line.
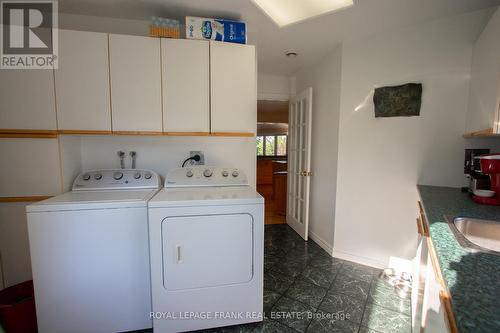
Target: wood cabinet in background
[[27, 99], [134, 64], [82, 82], [233, 88], [186, 85]]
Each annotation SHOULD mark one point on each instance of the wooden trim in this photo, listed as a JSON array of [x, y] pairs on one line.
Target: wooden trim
[[84, 132], [423, 220], [28, 133], [241, 134], [419, 227], [24, 199], [445, 299], [186, 133], [435, 264], [483, 133], [138, 133]]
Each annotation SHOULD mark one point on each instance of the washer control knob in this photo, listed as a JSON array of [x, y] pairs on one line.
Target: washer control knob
[[148, 175], [235, 173], [225, 173], [98, 176], [189, 173], [86, 177], [207, 173], [118, 175], [137, 175]]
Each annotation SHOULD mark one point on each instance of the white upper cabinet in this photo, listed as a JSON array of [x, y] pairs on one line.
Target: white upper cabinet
[[186, 87], [27, 99], [233, 88], [135, 73], [82, 82], [484, 97]]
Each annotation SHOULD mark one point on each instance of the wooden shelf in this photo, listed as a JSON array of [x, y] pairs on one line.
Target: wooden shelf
[[52, 134], [24, 199], [486, 133], [28, 133]]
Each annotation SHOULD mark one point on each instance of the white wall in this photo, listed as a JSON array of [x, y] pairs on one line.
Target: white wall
[[485, 79], [324, 78], [380, 161], [103, 24], [273, 87], [163, 154]]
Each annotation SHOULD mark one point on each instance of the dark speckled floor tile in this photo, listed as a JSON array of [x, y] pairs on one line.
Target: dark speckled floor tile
[[354, 288], [363, 329], [358, 271], [277, 282], [325, 262], [289, 267], [383, 320], [317, 276], [270, 261], [275, 251], [270, 298], [384, 295], [327, 323], [272, 326], [344, 306], [292, 313], [307, 293], [246, 328]]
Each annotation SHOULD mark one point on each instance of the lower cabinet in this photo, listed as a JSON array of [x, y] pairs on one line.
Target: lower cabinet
[[30, 167], [15, 263]]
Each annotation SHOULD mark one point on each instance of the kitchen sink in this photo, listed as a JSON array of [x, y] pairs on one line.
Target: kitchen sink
[[476, 234]]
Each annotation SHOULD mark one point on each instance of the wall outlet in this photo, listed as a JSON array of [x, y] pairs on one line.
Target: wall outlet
[[202, 158]]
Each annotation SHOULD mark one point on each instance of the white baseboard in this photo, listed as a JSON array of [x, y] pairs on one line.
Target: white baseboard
[[321, 242], [358, 259]]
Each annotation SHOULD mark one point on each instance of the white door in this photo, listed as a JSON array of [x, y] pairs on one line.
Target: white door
[[299, 162], [135, 73]]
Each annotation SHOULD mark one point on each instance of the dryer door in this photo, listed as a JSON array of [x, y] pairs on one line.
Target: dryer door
[[207, 251]]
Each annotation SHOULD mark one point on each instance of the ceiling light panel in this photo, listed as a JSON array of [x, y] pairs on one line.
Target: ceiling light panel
[[285, 12]]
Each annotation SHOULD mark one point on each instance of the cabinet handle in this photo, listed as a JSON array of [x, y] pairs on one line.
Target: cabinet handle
[[178, 252]]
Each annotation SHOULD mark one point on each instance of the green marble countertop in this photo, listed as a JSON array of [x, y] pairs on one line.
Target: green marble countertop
[[473, 279]]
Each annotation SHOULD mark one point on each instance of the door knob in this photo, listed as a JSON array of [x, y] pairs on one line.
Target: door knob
[[305, 173]]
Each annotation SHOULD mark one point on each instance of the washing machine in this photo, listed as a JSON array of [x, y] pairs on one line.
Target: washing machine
[[90, 254], [206, 232]]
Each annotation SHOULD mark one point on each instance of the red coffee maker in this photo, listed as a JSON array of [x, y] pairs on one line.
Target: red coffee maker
[[490, 165]]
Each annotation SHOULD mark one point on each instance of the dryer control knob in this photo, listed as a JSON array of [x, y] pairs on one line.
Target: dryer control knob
[[148, 175], [207, 173], [235, 173], [118, 175], [189, 173], [225, 173], [98, 176], [137, 175], [86, 177]]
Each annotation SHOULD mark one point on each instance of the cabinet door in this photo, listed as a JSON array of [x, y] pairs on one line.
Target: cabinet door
[[186, 101], [197, 252], [14, 246], [135, 74], [434, 316], [82, 82], [27, 99], [30, 167], [233, 88]]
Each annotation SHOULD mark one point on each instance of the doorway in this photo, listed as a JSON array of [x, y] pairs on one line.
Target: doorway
[[272, 157]]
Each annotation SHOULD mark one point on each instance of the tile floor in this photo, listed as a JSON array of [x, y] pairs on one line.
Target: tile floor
[[306, 290]]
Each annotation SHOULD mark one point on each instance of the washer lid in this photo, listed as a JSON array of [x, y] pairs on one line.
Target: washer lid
[[205, 196], [80, 200]]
